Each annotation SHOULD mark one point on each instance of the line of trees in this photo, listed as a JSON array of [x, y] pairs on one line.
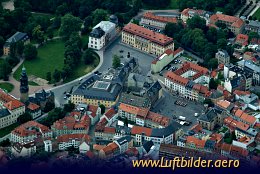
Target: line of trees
[[203, 40], [229, 7]]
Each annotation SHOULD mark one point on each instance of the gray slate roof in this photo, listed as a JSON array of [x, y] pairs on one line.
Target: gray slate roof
[[4, 113], [164, 132], [18, 36], [209, 116]]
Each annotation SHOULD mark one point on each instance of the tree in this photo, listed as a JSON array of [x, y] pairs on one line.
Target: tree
[[38, 34], [221, 25], [103, 108], [49, 106], [48, 76], [5, 70], [213, 63], [88, 57], [99, 15], [19, 48], [157, 3], [208, 102], [30, 52], [50, 33], [24, 118], [2, 42], [5, 143], [212, 35], [222, 43], [56, 75], [213, 84], [252, 35], [69, 25], [196, 22], [68, 107], [116, 61]]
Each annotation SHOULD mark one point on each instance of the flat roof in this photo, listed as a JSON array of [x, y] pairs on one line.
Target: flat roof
[[162, 56], [101, 85]]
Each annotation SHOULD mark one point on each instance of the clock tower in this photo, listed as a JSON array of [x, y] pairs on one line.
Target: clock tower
[[24, 88]]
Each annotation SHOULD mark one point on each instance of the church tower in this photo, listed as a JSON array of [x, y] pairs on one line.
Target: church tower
[[24, 88]]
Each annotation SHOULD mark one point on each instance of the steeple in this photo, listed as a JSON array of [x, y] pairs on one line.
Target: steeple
[[24, 88]]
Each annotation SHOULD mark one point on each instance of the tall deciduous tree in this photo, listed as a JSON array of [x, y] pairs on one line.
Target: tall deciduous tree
[[30, 52], [116, 61], [69, 25]]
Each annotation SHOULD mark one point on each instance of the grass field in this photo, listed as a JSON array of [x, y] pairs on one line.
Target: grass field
[[7, 86], [257, 14], [83, 69], [32, 83], [50, 57], [84, 40]]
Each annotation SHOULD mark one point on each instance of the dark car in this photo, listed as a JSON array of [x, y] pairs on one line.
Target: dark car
[[96, 72]]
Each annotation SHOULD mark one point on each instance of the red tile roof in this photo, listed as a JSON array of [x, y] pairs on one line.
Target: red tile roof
[[223, 104], [69, 137], [139, 130], [176, 78], [150, 15], [93, 109], [238, 92], [110, 130], [236, 22], [198, 143], [226, 147], [70, 123], [15, 104], [110, 113], [148, 34], [24, 129], [242, 39], [129, 108], [245, 117], [186, 11], [157, 118], [110, 148], [214, 74], [33, 106], [191, 66]]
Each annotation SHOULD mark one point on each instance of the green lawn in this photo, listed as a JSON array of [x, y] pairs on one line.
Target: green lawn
[[84, 40], [7, 86], [50, 57], [7, 130], [257, 14], [83, 69], [32, 83]]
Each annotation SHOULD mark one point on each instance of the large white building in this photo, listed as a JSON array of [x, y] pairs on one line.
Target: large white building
[[146, 40], [29, 132], [10, 109], [159, 22], [190, 81], [101, 34]]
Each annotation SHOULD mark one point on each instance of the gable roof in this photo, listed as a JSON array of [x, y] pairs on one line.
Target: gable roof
[[140, 130], [148, 34], [150, 15]]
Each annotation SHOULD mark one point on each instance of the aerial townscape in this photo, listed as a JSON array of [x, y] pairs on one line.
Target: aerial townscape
[[106, 82]]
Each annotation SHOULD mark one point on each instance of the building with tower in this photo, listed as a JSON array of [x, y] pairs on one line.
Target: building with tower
[[24, 88]]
